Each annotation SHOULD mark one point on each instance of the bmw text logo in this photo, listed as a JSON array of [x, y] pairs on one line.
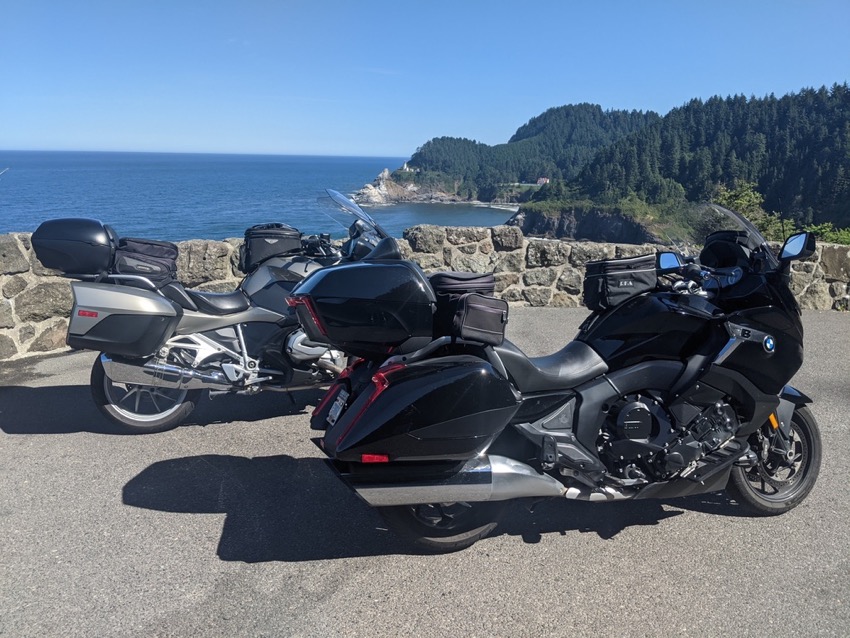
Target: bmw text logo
[[769, 344]]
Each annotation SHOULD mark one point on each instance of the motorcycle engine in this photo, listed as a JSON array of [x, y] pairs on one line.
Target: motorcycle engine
[[641, 442]]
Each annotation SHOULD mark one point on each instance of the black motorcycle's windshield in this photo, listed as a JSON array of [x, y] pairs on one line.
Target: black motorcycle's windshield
[[705, 219]]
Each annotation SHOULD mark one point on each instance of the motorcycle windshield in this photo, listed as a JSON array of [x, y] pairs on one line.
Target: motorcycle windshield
[[706, 219], [348, 206]]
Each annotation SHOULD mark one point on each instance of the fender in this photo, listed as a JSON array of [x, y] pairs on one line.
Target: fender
[[789, 400], [792, 394]]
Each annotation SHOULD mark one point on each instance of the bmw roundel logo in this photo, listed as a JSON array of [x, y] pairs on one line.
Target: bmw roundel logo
[[769, 344]]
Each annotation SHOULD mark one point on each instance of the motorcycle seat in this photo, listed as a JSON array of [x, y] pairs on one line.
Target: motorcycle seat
[[571, 366], [219, 303]]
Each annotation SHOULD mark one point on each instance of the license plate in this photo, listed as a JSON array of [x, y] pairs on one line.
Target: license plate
[[337, 407]]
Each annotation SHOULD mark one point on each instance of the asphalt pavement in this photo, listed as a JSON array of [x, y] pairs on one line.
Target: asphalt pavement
[[231, 525]]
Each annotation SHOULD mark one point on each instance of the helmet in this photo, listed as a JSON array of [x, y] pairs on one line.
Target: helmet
[[726, 249]]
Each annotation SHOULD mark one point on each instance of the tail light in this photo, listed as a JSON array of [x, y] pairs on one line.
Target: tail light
[[382, 382], [332, 392], [307, 302]]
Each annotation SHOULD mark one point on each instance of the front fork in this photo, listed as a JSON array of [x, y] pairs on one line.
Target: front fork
[[776, 437]]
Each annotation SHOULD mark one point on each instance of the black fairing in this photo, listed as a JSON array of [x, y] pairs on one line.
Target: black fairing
[[367, 308], [768, 371], [651, 327], [445, 408]]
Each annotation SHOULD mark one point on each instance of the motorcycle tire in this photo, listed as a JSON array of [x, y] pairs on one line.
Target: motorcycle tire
[[139, 409], [770, 488], [443, 527]]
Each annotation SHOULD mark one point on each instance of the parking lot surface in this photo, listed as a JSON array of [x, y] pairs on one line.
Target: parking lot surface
[[232, 525]]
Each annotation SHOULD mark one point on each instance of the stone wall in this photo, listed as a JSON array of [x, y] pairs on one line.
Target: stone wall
[[35, 302]]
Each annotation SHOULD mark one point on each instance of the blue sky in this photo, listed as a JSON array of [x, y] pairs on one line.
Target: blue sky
[[326, 77]]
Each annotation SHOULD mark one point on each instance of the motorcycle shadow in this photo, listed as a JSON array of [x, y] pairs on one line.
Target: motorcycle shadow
[[606, 520], [68, 409], [280, 508], [63, 409]]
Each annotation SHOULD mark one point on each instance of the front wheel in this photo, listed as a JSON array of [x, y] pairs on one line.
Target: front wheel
[[140, 409], [783, 477], [443, 527]]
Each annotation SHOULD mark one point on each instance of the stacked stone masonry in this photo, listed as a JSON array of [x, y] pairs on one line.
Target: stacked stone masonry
[[35, 302]]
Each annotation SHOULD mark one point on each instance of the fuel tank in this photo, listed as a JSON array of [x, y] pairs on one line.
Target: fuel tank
[[661, 326], [448, 408], [270, 284]]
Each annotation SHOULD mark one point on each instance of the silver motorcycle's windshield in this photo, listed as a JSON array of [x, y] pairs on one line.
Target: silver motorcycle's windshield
[[345, 204]]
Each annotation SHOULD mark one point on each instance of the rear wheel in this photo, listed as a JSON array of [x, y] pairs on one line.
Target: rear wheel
[[781, 478], [443, 527], [140, 409]]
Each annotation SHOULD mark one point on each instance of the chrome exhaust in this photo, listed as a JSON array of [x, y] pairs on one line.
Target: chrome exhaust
[[484, 478], [162, 375]]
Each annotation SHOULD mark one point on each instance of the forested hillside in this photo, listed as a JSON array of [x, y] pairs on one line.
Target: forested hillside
[[556, 144], [793, 151]]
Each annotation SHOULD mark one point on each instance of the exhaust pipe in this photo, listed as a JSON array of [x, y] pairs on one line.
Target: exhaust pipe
[[485, 478], [162, 375]]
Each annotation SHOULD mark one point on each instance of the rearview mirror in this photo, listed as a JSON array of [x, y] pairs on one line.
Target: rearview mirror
[[798, 246], [669, 262]]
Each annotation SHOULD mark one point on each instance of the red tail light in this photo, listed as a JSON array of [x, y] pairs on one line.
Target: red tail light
[[86, 313], [294, 302], [332, 392], [374, 458], [381, 383]]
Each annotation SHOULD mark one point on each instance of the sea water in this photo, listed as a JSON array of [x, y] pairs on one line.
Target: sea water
[[176, 196]]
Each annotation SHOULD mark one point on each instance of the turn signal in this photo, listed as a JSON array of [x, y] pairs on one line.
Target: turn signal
[[774, 423]]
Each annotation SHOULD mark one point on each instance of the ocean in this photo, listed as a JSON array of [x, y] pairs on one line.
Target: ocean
[[174, 196]]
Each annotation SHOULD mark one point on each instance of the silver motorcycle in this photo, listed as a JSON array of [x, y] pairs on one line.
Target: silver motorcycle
[[161, 344]]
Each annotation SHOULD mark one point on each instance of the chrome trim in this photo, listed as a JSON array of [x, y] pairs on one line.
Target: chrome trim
[[485, 478], [162, 375], [727, 350]]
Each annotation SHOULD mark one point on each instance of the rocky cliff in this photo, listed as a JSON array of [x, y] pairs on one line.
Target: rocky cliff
[[581, 224], [384, 190]]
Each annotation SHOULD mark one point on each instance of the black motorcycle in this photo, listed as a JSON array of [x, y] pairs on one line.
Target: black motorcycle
[[675, 385]]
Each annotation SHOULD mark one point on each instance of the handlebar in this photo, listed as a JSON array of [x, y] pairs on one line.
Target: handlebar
[[712, 278]]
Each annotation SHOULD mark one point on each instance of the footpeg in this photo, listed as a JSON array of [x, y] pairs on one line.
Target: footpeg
[[748, 459], [548, 452]]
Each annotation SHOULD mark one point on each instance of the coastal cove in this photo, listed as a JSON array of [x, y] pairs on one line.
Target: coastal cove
[[177, 197]]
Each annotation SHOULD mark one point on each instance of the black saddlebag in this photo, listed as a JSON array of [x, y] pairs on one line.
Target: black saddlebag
[[265, 241], [610, 282], [149, 258], [466, 307]]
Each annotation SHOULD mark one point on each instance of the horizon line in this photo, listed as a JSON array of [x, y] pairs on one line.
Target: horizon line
[[240, 153]]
